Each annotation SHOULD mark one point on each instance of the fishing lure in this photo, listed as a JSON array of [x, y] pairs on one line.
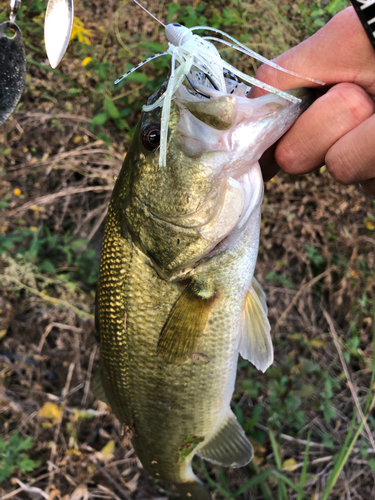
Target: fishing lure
[[192, 52]]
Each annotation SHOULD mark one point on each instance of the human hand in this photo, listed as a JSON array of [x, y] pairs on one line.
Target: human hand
[[338, 129]]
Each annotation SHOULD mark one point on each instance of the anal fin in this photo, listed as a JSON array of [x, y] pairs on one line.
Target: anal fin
[[255, 341], [180, 335], [229, 447]]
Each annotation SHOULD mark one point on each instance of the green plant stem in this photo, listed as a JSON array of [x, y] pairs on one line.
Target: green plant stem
[[303, 477], [372, 380], [343, 457]]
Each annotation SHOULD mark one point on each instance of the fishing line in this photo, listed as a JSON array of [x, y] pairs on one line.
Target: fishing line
[[148, 12]]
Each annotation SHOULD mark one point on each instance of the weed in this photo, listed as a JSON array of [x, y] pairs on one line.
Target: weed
[[319, 13], [279, 278], [305, 387], [13, 457], [56, 254]]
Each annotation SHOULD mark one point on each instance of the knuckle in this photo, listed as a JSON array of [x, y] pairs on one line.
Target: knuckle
[[353, 101], [268, 75], [263, 72], [288, 157], [339, 166]]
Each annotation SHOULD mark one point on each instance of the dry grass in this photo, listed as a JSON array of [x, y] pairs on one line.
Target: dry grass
[[48, 349]]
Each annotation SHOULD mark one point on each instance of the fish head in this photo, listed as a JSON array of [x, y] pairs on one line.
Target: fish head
[[211, 183]]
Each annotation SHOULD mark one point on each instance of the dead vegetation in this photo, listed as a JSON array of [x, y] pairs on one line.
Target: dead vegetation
[[316, 265]]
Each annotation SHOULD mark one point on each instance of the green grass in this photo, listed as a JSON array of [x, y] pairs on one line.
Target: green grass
[[56, 267]]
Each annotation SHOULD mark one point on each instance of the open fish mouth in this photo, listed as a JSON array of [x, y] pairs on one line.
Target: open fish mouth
[[210, 185], [229, 133], [232, 122]]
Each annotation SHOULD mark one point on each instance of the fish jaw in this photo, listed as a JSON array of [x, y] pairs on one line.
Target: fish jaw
[[240, 128], [177, 214]]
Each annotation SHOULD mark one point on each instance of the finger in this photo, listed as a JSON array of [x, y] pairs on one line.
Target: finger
[[343, 108], [352, 158], [338, 52]]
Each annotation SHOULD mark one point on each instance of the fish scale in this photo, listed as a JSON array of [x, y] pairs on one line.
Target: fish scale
[[153, 388], [176, 298]]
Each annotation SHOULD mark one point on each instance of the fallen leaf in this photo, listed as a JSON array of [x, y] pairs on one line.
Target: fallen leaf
[[73, 451], [79, 493], [51, 411], [54, 493], [290, 465], [106, 453]]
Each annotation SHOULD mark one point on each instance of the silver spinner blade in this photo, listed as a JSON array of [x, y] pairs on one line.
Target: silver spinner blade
[[57, 29]]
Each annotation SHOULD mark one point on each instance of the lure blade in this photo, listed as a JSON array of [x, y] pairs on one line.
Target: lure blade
[[57, 29], [12, 69]]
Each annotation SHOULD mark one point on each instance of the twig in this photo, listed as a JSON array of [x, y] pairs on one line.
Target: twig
[[64, 393], [303, 442], [50, 116], [348, 377], [58, 224], [32, 489], [88, 377], [97, 224], [317, 461], [12, 494], [98, 211], [35, 480], [111, 494], [366, 238], [48, 298], [51, 197], [119, 488], [67, 477], [298, 294], [8, 362], [48, 330]]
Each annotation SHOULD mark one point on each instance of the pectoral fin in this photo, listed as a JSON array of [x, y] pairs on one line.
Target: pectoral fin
[[229, 447], [97, 388], [188, 318], [259, 291], [255, 342]]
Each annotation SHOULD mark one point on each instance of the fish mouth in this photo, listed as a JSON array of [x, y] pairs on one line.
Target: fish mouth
[[229, 133], [235, 124]]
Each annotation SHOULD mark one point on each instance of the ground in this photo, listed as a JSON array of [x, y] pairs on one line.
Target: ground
[[59, 154]]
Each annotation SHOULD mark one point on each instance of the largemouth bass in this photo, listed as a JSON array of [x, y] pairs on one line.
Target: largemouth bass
[[176, 296]]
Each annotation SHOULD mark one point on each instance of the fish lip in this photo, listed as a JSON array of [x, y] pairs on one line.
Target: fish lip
[[306, 94], [240, 107], [252, 125]]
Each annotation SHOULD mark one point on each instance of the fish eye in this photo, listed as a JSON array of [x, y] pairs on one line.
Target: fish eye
[[151, 137]]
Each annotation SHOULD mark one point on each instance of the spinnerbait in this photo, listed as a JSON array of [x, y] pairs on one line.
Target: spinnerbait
[[190, 51]]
